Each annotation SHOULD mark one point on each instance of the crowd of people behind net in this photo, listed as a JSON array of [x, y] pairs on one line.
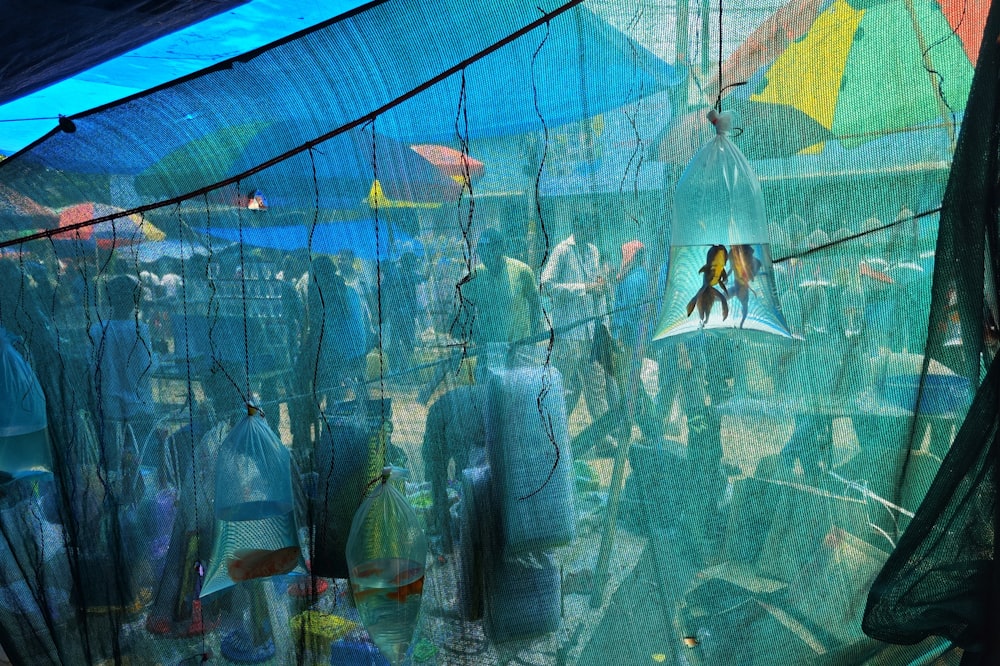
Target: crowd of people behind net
[[306, 327], [310, 337]]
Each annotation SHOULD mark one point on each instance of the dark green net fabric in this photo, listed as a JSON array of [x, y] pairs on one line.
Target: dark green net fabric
[[362, 232], [941, 579]]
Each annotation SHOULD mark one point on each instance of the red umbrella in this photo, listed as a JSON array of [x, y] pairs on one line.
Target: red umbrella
[[968, 19], [450, 162]]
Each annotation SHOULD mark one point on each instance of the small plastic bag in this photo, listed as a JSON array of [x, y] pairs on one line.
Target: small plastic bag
[[24, 442], [256, 535], [386, 554]]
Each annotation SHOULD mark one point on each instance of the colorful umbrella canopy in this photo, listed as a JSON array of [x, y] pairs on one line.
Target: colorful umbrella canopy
[[451, 162], [766, 131], [342, 169], [864, 69], [109, 234]]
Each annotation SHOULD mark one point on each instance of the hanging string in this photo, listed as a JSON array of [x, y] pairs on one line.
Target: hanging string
[[718, 99], [631, 115], [937, 78], [213, 311], [547, 381], [378, 298], [466, 314], [243, 293], [314, 387], [198, 568], [311, 506]]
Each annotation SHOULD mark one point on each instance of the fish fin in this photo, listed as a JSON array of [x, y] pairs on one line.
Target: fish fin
[[691, 304], [725, 305]]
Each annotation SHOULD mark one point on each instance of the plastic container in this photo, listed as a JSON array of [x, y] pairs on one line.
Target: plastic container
[[941, 394], [523, 597], [356, 653]]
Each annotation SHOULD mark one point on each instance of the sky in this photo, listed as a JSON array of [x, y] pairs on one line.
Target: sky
[[224, 36]]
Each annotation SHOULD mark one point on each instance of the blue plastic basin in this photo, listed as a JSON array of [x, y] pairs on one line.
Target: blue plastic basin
[[941, 394]]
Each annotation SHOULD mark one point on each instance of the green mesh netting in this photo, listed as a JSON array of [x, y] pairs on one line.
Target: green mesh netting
[[436, 236]]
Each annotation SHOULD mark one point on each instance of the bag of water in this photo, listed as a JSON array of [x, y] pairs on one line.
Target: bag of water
[[387, 553], [720, 274], [24, 441], [256, 534]]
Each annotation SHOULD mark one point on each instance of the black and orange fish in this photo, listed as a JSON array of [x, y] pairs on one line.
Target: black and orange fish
[[714, 276], [746, 266]]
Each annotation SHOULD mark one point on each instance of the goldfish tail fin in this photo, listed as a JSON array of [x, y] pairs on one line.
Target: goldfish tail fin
[[691, 304], [725, 304]]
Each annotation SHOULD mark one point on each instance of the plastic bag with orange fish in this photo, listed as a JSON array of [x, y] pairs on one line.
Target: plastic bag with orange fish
[[386, 554], [256, 534], [720, 273]]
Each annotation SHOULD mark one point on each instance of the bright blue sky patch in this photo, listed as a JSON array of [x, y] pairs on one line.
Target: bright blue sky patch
[[227, 35]]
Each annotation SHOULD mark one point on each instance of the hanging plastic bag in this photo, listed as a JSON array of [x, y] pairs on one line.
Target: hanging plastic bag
[[24, 442], [720, 273], [386, 553], [256, 535]]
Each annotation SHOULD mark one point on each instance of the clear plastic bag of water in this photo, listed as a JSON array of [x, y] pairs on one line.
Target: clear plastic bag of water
[[386, 554], [256, 534], [720, 273]]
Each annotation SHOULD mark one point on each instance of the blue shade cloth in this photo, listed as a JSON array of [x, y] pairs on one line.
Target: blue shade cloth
[[341, 74], [87, 82], [328, 238], [572, 69]]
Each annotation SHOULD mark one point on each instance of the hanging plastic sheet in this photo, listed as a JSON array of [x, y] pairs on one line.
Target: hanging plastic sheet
[[24, 442]]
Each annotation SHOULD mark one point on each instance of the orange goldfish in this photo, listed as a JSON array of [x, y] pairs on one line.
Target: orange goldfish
[[396, 594], [714, 272], [745, 268], [256, 563], [416, 587]]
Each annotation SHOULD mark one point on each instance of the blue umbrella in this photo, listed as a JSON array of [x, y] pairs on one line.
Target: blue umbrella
[[342, 168], [584, 67], [327, 238]]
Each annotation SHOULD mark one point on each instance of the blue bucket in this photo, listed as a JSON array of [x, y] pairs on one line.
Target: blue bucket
[[942, 393]]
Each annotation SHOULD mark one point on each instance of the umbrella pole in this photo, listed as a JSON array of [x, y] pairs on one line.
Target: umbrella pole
[[943, 110], [610, 525]]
